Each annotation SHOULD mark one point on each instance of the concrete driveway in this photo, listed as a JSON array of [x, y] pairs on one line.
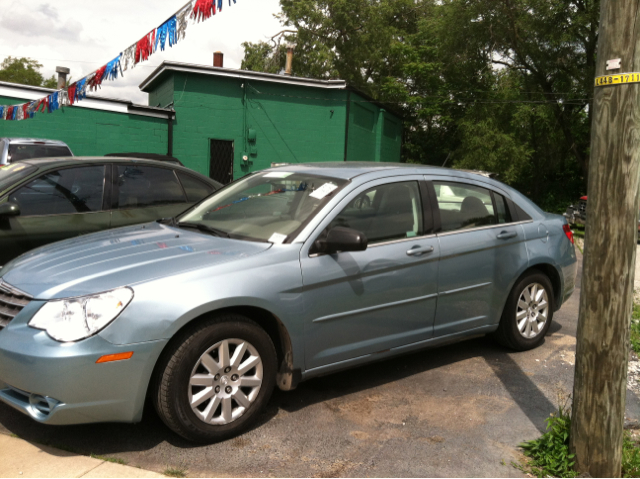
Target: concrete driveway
[[460, 410]]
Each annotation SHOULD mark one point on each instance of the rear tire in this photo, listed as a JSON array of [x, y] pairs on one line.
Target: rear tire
[[216, 378], [527, 313]]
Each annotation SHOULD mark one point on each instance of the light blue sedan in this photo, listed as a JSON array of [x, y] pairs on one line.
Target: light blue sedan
[[287, 274]]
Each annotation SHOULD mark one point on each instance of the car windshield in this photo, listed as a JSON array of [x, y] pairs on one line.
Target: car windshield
[[11, 174], [269, 206], [26, 152]]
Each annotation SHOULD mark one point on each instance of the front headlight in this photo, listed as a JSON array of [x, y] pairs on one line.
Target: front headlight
[[74, 319]]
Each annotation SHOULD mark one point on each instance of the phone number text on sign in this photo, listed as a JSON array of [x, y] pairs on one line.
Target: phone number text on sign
[[620, 79]]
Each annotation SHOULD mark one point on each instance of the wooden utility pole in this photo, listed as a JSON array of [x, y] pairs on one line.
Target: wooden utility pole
[[610, 247]]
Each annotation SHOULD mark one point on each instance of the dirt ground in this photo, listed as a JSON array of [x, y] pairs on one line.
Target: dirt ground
[[459, 410]]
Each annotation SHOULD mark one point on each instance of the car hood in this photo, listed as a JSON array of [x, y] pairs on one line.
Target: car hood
[[124, 256]]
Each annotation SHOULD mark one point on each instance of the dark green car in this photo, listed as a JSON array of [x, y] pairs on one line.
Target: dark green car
[[47, 200]]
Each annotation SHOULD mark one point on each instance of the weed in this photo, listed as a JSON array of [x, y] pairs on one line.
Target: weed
[[62, 447], [630, 457], [635, 329], [175, 472], [549, 454], [116, 460], [578, 231]]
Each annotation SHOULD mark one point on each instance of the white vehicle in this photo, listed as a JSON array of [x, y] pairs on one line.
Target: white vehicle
[[16, 149]]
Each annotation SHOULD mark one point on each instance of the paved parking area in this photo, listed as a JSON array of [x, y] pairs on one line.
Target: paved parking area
[[459, 410]]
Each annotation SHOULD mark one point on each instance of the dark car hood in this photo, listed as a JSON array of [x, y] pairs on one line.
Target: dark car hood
[[124, 256]]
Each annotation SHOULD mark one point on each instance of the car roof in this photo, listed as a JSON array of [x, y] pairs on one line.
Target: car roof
[[352, 169], [56, 162], [29, 141], [146, 156]]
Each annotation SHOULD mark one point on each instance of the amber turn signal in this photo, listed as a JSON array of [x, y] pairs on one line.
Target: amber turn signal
[[114, 357]]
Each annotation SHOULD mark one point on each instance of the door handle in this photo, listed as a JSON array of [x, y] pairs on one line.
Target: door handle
[[507, 234], [419, 250]]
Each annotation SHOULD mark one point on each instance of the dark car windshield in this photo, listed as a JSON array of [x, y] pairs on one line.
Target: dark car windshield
[[26, 152], [11, 174], [269, 206]]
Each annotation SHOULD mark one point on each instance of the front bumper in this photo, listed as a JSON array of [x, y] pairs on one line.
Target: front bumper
[[58, 383]]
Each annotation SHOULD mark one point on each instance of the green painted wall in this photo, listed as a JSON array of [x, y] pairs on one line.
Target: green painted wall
[[163, 94], [292, 124], [91, 132], [374, 134], [390, 135]]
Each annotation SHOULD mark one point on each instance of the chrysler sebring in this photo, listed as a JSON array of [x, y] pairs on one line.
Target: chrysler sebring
[[286, 274]]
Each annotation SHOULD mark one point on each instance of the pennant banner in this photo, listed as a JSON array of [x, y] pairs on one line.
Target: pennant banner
[[171, 31]]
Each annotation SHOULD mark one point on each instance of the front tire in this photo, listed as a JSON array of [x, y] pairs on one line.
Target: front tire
[[216, 379], [527, 314]]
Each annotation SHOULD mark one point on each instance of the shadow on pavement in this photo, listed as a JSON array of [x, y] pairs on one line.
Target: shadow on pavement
[[113, 438]]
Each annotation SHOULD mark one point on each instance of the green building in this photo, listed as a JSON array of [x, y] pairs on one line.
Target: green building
[[222, 122]]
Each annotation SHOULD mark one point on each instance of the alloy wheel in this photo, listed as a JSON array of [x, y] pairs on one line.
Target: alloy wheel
[[532, 310], [225, 381]]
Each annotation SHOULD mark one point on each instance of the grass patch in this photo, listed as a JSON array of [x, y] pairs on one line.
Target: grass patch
[[635, 328], [549, 454], [115, 460], [630, 457], [578, 231], [62, 447], [175, 472]]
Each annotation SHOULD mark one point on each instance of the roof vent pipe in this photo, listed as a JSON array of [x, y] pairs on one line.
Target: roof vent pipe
[[289, 67], [218, 59], [62, 77]]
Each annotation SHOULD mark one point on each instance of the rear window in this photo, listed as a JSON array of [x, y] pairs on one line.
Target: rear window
[[26, 152], [12, 174]]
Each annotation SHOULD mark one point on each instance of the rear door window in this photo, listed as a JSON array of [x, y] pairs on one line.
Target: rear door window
[[464, 206], [142, 186], [66, 191]]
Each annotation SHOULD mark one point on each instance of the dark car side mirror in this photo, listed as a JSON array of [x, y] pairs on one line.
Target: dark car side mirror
[[9, 209], [341, 239]]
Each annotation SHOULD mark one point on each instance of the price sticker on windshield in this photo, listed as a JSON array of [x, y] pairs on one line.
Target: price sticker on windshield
[[323, 191], [619, 79]]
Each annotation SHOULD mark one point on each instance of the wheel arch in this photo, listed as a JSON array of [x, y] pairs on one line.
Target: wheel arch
[[287, 377], [551, 272]]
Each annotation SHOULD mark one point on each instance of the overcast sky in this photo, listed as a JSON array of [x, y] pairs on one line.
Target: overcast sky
[[83, 36]]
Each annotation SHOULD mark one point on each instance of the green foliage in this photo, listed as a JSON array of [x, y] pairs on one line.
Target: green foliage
[[549, 454], [115, 460], [260, 57], [24, 71], [630, 457], [175, 472], [50, 82], [635, 329]]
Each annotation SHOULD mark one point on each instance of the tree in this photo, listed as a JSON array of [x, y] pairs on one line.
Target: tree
[[24, 71], [262, 57], [51, 82]]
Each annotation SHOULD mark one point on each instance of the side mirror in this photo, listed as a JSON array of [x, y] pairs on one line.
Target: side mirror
[[9, 209], [342, 239]]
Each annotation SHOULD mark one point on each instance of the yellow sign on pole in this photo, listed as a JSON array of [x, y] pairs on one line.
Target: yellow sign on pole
[[619, 79]]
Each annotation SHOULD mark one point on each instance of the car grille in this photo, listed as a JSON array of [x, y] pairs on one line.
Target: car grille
[[12, 301], [582, 208]]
